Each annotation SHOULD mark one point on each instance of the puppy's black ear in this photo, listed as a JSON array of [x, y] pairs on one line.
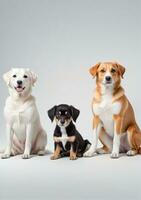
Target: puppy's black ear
[[75, 113], [51, 113]]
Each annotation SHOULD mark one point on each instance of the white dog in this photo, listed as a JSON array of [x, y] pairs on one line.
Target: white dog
[[25, 134]]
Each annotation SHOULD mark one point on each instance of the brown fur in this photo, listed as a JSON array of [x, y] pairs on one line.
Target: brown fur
[[73, 155], [56, 154], [125, 120]]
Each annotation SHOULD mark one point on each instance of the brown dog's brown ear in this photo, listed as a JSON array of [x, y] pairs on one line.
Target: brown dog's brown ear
[[93, 70], [121, 69]]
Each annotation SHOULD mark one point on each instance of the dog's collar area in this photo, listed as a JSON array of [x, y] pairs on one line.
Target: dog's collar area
[[64, 138]]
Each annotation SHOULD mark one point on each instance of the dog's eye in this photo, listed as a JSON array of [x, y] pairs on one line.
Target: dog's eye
[[25, 76], [113, 70], [66, 112], [59, 112], [102, 70], [14, 76]]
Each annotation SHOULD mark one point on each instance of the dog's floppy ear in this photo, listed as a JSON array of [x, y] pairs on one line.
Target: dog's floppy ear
[[93, 69], [51, 113], [33, 76], [6, 77], [121, 69], [74, 112]]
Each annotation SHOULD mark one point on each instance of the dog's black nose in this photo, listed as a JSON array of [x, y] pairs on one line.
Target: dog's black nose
[[108, 78], [19, 82]]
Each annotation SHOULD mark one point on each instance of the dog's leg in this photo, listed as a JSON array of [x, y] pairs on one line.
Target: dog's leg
[[9, 133], [57, 151], [73, 155], [39, 146], [92, 149], [116, 144], [116, 140], [28, 143], [73, 150], [106, 141], [134, 139]]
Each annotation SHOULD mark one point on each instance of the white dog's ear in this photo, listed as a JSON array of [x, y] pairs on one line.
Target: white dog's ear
[[33, 77], [6, 77]]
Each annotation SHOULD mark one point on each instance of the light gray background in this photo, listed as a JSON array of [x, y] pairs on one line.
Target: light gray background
[[60, 40]]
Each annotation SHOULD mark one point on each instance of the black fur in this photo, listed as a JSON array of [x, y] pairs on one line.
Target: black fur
[[51, 113]]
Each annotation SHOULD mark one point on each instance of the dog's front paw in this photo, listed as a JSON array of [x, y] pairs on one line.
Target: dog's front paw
[[41, 153], [114, 155], [55, 157], [73, 157], [26, 156], [89, 153], [5, 156]]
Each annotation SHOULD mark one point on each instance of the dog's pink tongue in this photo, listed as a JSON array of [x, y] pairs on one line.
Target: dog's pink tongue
[[19, 89]]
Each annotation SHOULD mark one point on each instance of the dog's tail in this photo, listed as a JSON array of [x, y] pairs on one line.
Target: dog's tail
[[87, 145]]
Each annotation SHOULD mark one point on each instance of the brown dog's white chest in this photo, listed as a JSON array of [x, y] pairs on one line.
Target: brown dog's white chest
[[105, 110]]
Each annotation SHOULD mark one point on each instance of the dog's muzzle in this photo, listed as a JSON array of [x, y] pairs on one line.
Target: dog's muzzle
[[108, 79]]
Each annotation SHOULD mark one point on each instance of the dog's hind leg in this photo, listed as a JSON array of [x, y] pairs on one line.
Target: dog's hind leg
[[39, 147], [134, 139]]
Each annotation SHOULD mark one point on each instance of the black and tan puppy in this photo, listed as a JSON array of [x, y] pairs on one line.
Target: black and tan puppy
[[67, 140]]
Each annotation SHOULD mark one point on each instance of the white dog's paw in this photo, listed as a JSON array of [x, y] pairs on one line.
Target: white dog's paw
[[89, 153], [131, 153], [5, 155], [26, 156], [41, 153], [114, 155]]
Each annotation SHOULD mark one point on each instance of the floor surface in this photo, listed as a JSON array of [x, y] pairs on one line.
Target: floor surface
[[95, 178]]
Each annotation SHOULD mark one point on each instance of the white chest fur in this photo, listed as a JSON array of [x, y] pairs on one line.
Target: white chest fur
[[105, 110], [64, 136], [18, 115], [19, 112]]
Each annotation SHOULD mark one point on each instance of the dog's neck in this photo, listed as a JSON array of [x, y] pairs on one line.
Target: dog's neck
[[106, 89], [114, 91], [68, 129]]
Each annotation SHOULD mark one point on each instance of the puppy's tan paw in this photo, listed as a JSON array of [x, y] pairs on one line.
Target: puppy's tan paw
[[54, 157], [73, 156]]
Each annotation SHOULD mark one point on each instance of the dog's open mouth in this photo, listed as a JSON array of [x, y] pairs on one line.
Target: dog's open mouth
[[19, 88], [108, 82]]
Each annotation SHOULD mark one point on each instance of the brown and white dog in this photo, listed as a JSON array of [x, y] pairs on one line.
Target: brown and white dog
[[114, 121]]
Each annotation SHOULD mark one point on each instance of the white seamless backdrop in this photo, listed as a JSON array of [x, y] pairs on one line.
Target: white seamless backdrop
[[60, 41]]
